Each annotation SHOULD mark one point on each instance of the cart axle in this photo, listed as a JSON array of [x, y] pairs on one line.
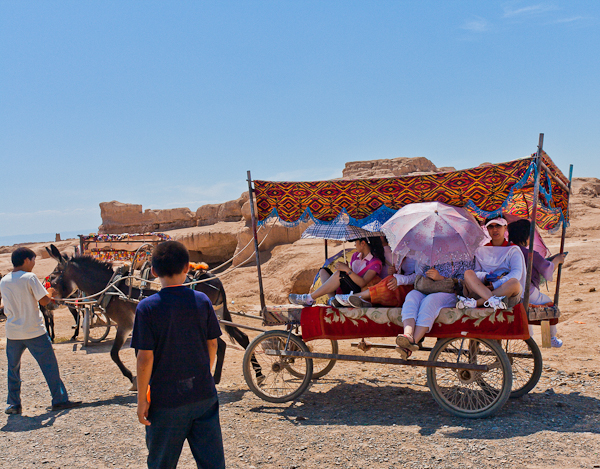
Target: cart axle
[[385, 360]]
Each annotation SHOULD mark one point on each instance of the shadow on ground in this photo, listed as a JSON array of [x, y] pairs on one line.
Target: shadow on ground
[[358, 404], [25, 423]]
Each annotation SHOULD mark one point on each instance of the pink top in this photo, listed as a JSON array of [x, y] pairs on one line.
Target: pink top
[[362, 266]]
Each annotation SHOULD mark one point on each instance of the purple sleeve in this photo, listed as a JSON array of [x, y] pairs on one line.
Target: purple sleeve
[[543, 266]]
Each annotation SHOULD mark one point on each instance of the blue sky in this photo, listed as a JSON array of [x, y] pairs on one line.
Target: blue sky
[[168, 104]]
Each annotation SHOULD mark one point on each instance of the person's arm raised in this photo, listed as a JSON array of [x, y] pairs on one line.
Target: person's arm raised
[[48, 298]]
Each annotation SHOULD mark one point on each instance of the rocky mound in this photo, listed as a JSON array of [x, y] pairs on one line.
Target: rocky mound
[[390, 168]]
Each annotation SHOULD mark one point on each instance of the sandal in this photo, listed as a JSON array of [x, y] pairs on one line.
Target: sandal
[[404, 352], [403, 341]]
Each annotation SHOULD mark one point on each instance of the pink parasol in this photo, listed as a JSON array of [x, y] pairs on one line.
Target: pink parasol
[[433, 233]]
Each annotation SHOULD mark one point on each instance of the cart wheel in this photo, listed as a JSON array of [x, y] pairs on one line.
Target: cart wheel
[[270, 376], [321, 366], [99, 326], [468, 393], [526, 360]]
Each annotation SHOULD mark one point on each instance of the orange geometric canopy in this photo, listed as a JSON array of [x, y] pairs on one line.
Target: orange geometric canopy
[[484, 190]]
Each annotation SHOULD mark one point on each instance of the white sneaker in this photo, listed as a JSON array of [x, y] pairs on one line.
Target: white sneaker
[[343, 300], [495, 302], [301, 300], [332, 301], [464, 302], [555, 342]]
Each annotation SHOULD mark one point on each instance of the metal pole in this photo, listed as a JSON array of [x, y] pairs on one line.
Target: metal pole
[[326, 256], [562, 239], [536, 191], [260, 283]]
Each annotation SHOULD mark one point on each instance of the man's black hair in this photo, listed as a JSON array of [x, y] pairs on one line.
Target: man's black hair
[[519, 231], [488, 219], [19, 255], [170, 258]]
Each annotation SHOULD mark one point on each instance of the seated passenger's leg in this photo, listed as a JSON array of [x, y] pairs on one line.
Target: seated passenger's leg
[[475, 288], [328, 287], [509, 289], [410, 310], [384, 295], [429, 310]]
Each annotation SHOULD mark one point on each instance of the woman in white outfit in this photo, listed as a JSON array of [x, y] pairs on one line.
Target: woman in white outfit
[[420, 311]]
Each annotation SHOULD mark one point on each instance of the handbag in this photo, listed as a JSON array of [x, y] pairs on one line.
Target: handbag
[[427, 286]]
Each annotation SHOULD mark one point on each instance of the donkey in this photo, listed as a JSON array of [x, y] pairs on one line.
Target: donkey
[[92, 276], [213, 288]]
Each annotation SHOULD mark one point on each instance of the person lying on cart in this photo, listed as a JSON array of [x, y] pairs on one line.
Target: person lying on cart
[[420, 310], [518, 233], [364, 270], [498, 280], [392, 290]]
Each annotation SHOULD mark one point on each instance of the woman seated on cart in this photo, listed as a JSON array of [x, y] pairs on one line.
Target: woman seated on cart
[[498, 281], [364, 270], [392, 290], [518, 233], [420, 311]]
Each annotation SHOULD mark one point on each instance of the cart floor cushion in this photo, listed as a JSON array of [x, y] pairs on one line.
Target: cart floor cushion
[[324, 322]]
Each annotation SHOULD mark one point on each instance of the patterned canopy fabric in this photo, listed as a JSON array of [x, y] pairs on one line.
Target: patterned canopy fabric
[[485, 191]]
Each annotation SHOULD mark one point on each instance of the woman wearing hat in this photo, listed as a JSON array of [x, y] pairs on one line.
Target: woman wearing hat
[[498, 280]]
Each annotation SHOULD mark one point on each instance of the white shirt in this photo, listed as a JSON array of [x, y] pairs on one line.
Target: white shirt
[[21, 292], [501, 259]]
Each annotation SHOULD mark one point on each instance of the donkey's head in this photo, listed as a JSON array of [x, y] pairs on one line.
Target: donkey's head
[[84, 272], [58, 278]]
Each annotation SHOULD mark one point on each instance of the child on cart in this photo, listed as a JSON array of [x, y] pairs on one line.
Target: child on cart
[[175, 336]]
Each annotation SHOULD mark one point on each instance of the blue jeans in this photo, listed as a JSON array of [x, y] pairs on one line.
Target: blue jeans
[[170, 427], [41, 349]]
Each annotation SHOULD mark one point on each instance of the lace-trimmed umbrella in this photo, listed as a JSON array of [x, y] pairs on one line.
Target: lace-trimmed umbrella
[[433, 233]]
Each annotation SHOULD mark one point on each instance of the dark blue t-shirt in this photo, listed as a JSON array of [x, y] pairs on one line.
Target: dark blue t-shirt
[[175, 324]]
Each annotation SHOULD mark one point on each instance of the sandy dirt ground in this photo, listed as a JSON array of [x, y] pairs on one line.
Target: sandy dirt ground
[[358, 416]]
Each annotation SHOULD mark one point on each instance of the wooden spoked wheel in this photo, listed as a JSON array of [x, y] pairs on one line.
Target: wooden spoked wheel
[[470, 393], [526, 361], [96, 326], [321, 366], [270, 377]]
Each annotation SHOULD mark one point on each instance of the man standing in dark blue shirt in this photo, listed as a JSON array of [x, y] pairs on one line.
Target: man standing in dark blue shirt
[[175, 336]]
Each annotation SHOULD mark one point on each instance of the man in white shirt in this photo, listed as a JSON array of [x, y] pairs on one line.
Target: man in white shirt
[[21, 292]]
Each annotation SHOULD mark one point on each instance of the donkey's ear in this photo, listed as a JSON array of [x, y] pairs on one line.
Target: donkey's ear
[[55, 253], [48, 251]]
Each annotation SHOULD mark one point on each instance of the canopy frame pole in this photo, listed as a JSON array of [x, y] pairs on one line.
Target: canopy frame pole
[[326, 253], [562, 239], [255, 234], [536, 192]]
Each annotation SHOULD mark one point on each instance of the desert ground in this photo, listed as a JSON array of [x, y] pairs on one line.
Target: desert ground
[[358, 416]]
